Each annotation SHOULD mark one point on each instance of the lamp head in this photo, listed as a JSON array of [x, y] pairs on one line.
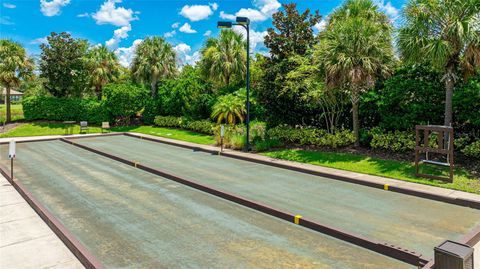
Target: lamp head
[[224, 24], [243, 20]]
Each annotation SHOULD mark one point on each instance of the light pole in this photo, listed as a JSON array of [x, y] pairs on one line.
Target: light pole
[[245, 23]]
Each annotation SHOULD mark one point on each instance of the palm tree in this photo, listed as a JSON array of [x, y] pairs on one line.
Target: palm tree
[[15, 65], [103, 67], [355, 50], [445, 33], [224, 58], [154, 59], [229, 108]]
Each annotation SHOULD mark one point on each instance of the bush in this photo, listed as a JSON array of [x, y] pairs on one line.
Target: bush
[[311, 137], [123, 101], [63, 109], [472, 150], [151, 110], [413, 95], [396, 141], [201, 126], [170, 121]]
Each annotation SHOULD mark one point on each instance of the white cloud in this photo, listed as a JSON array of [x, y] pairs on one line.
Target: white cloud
[[8, 5], [110, 14], [267, 7], [227, 16], [320, 26], [52, 8], [125, 55], [186, 28], [182, 48], [193, 59], [40, 40], [118, 35], [175, 25], [256, 38], [214, 6], [197, 12], [169, 34], [252, 14], [208, 33], [83, 15], [391, 11], [183, 55]]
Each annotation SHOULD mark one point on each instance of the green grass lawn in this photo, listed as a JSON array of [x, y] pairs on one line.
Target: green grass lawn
[[17, 112], [378, 167], [45, 128]]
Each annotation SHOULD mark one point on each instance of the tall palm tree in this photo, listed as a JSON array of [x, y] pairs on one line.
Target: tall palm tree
[[445, 33], [224, 58], [229, 108], [103, 67], [154, 59], [15, 65], [355, 50]]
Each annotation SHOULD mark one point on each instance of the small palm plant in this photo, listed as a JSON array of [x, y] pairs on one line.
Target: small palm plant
[[229, 108]]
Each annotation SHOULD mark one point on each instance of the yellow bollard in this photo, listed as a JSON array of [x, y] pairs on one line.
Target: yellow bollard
[[385, 187], [297, 218]]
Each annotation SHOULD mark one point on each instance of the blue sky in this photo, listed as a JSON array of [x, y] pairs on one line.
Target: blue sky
[[121, 24]]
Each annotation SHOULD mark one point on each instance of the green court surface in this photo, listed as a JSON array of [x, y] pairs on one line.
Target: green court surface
[[407, 221], [129, 218]]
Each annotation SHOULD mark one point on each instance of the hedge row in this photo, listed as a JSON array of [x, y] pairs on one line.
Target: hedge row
[[60, 109], [201, 126], [311, 137]]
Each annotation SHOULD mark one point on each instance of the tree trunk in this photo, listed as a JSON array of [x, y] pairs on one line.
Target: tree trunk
[[356, 123], [98, 91], [153, 87], [7, 103], [449, 85]]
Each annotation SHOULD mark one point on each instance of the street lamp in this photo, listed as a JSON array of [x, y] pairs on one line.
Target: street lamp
[[245, 23]]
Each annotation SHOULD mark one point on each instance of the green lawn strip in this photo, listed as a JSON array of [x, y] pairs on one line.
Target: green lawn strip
[[378, 167], [172, 133], [16, 110], [45, 128]]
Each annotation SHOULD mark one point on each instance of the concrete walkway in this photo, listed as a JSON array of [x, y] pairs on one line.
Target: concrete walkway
[[25, 240]]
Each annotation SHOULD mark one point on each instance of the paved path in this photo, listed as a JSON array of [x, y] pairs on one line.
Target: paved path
[[25, 240]]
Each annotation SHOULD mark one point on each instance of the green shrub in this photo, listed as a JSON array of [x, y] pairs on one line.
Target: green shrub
[[307, 136], [63, 109], [258, 131], [472, 150], [170, 121], [237, 141], [396, 141], [123, 101], [230, 131], [151, 110], [201, 126]]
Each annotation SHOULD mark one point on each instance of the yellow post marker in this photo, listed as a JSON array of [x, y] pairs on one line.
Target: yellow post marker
[[385, 187], [296, 219]]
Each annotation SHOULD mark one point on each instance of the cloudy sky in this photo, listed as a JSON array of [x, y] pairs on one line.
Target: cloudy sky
[[121, 24]]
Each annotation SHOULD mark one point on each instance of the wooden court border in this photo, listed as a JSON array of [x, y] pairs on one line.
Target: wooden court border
[[389, 250], [85, 257]]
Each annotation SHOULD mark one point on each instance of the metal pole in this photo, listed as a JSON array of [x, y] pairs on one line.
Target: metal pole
[[11, 169], [248, 88]]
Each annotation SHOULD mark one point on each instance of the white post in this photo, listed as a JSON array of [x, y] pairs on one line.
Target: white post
[[11, 156]]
